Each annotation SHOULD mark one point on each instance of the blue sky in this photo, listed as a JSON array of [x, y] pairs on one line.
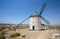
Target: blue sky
[[15, 11]]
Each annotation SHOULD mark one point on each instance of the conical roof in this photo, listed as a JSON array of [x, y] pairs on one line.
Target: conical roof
[[35, 15]]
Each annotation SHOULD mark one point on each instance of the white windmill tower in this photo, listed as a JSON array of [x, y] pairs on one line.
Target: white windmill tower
[[35, 20]]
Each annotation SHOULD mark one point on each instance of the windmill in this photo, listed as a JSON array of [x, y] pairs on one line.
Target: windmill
[[35, 20]]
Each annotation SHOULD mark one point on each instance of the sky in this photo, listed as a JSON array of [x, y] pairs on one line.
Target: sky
[[15, 11]]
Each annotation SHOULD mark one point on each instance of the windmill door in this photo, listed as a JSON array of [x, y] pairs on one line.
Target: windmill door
[[33, 27]]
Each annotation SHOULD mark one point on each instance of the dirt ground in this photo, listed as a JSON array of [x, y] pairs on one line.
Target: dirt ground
[[44, 34]]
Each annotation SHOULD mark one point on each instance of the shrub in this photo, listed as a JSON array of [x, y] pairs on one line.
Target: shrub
[[2, 37], [2, 33], [15, 34]]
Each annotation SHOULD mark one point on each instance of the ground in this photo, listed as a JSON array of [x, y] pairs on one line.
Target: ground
[[44, 34]]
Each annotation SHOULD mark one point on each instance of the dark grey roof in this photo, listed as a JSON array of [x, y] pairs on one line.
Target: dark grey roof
[[35, 16]]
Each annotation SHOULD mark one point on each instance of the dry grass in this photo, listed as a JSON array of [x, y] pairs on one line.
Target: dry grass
[[46, 34], [33, 34]]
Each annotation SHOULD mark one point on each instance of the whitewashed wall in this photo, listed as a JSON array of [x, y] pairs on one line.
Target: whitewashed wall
[[35, 21]]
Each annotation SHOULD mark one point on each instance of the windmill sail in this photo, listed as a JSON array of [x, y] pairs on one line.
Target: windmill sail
[[42, 9], [23, 21], [45, 20]]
